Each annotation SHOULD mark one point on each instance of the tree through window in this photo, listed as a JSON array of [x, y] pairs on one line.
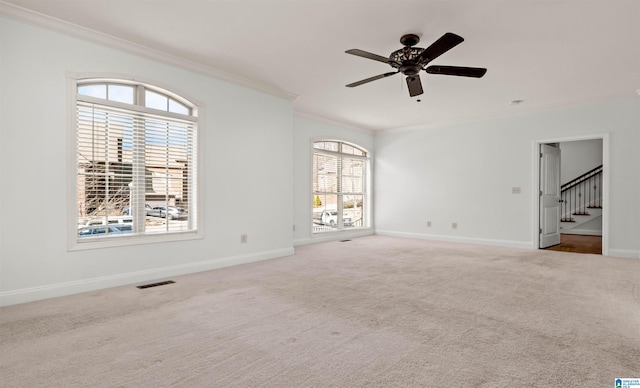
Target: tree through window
[[339, 186]]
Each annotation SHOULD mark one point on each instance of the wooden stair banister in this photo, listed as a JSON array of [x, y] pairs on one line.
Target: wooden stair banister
[[581, 193]]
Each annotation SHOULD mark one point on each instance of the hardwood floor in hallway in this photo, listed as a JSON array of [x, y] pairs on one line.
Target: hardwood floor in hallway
[[579, 243]]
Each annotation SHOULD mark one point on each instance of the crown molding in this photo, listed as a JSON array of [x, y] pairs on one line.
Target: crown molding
[[518, 110], [334, 123], [58, 25]]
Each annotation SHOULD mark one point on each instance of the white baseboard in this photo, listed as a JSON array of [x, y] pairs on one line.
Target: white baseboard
[[332, 236], [584, 232], [74, 287], [625, 253], [466, 240]]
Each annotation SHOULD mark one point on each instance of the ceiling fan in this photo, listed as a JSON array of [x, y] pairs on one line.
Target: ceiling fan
[[409, 60]]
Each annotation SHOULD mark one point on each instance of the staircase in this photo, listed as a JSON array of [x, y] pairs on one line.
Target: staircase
[[581, 208]]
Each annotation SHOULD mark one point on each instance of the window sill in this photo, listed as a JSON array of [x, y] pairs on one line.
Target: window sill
[[120, 241], [341, 231]]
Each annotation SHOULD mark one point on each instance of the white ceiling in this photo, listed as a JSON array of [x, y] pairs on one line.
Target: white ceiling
[[548, 53]]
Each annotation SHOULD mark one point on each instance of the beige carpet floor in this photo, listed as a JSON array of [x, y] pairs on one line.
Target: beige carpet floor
[[376, 311]]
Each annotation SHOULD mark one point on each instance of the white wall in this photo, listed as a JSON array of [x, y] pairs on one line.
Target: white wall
[[305, 131], [248, 181], [579, 157], [465, 174]]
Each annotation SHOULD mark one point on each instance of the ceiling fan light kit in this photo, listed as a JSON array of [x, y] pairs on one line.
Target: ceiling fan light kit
[[410, 60]]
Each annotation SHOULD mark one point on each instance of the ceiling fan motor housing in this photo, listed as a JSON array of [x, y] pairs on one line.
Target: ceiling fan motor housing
[[410, 68]]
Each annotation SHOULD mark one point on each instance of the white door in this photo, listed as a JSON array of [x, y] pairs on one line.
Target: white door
[[549, 196]]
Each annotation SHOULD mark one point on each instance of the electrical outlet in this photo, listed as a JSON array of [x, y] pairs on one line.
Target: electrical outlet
[[428, 224], [243, 239], [454, 225], [516, 190]]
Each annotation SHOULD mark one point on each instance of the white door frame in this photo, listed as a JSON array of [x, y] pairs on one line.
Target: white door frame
[[535, 240]]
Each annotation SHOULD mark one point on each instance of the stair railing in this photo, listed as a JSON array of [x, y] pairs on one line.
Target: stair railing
[[580, 194]]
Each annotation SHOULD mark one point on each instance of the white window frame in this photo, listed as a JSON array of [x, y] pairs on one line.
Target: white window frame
[[366, 195], [73, 242]]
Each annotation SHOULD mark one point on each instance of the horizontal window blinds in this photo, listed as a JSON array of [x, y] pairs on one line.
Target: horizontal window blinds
[[131, 162]]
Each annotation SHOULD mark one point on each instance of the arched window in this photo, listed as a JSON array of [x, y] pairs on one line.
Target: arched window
[[136, 162], [340, 199]]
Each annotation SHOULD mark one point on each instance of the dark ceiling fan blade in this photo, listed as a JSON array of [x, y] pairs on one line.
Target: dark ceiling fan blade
[[368, 55], [475, 72], [439, 47], [364, 81], [414, 84]]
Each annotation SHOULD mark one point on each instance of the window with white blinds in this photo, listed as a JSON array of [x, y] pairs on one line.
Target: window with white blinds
[[339, 187], [136, 161]]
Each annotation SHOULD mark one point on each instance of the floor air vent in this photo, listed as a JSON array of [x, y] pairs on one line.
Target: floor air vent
[[155, 284]]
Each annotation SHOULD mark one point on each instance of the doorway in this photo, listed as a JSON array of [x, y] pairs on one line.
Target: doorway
[[571, 212]]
